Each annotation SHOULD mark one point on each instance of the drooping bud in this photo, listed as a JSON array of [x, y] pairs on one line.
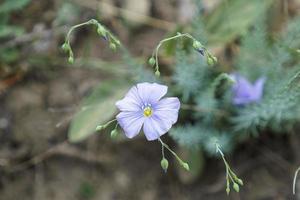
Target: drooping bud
[[227, 190], [65, 47], [236, 187], [101, 30], [157, 73], [240, 181], [211, 60], [100, 128], [114, 133], [186, 166], [151, 61], [71, 59], [113, 46], [198, 47], [164, 164]]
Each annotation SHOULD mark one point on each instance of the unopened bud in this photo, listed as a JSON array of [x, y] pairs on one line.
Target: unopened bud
[[157, 73], [65, 47], [114, 133], [118, 42], [101, 30], [186, 166], [240, 181], [211, 60], [113, 46], [197, 45], [227, 190], [151, 61], [236, 187], [71, 60], [99, 128], [164, 164]]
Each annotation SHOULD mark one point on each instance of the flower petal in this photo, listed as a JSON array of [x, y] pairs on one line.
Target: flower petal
[[128, 104], [151, 92], [242, 88], [133, 94], [131, 122], [167, 109], [258, 89], [154, 127]]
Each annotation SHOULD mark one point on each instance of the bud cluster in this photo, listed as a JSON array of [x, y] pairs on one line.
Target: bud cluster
[[165, 163], [210, 59], [114, 133], [231, 177], [114, 43]]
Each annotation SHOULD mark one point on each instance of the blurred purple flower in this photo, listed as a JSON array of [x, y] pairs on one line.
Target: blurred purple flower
[[143, 106], [245, 92]]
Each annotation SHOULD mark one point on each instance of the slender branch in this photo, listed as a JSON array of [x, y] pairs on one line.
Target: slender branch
[[294, 181]]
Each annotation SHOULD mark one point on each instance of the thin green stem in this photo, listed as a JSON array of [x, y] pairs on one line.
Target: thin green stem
[[77, 26], [179, 35], [162, 150], [111, 121], [169, 149], [294, 181]]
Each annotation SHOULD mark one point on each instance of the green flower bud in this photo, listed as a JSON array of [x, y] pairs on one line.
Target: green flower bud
[[240, 181], [114, 133], [164, 164], [99, 128], [71, 60], [227, 190], [157, 73], [197, 45], [211, 60], [113, 46], [101, 30], [151, 61], [65, 47], [118, 42], [186, 166], [236, 187]]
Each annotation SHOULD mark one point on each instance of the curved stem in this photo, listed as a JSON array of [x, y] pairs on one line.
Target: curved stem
[[179, 35], [294, 181], [169, 149], [77, 26]]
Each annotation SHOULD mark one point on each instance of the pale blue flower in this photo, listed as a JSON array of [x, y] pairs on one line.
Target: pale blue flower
[[143, 107], [244, 92]]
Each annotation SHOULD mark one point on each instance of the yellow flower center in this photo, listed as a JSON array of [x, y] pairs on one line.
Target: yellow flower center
[[147, 111]]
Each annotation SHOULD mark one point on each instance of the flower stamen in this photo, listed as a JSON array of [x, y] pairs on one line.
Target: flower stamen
[[148, 111]]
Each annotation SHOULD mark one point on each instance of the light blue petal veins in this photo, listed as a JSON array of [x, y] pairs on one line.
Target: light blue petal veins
[[128, 104], [167, 109], [151, 93], [134, 95], [154, 127], [131, 122]]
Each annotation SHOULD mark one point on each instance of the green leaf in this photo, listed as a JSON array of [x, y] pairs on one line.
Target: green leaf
[[97, 109], [233, 18], [10, 5]]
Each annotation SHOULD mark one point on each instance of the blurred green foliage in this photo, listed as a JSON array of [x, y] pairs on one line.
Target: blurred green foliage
[[217, 119], [9, 55], [6, 8]]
